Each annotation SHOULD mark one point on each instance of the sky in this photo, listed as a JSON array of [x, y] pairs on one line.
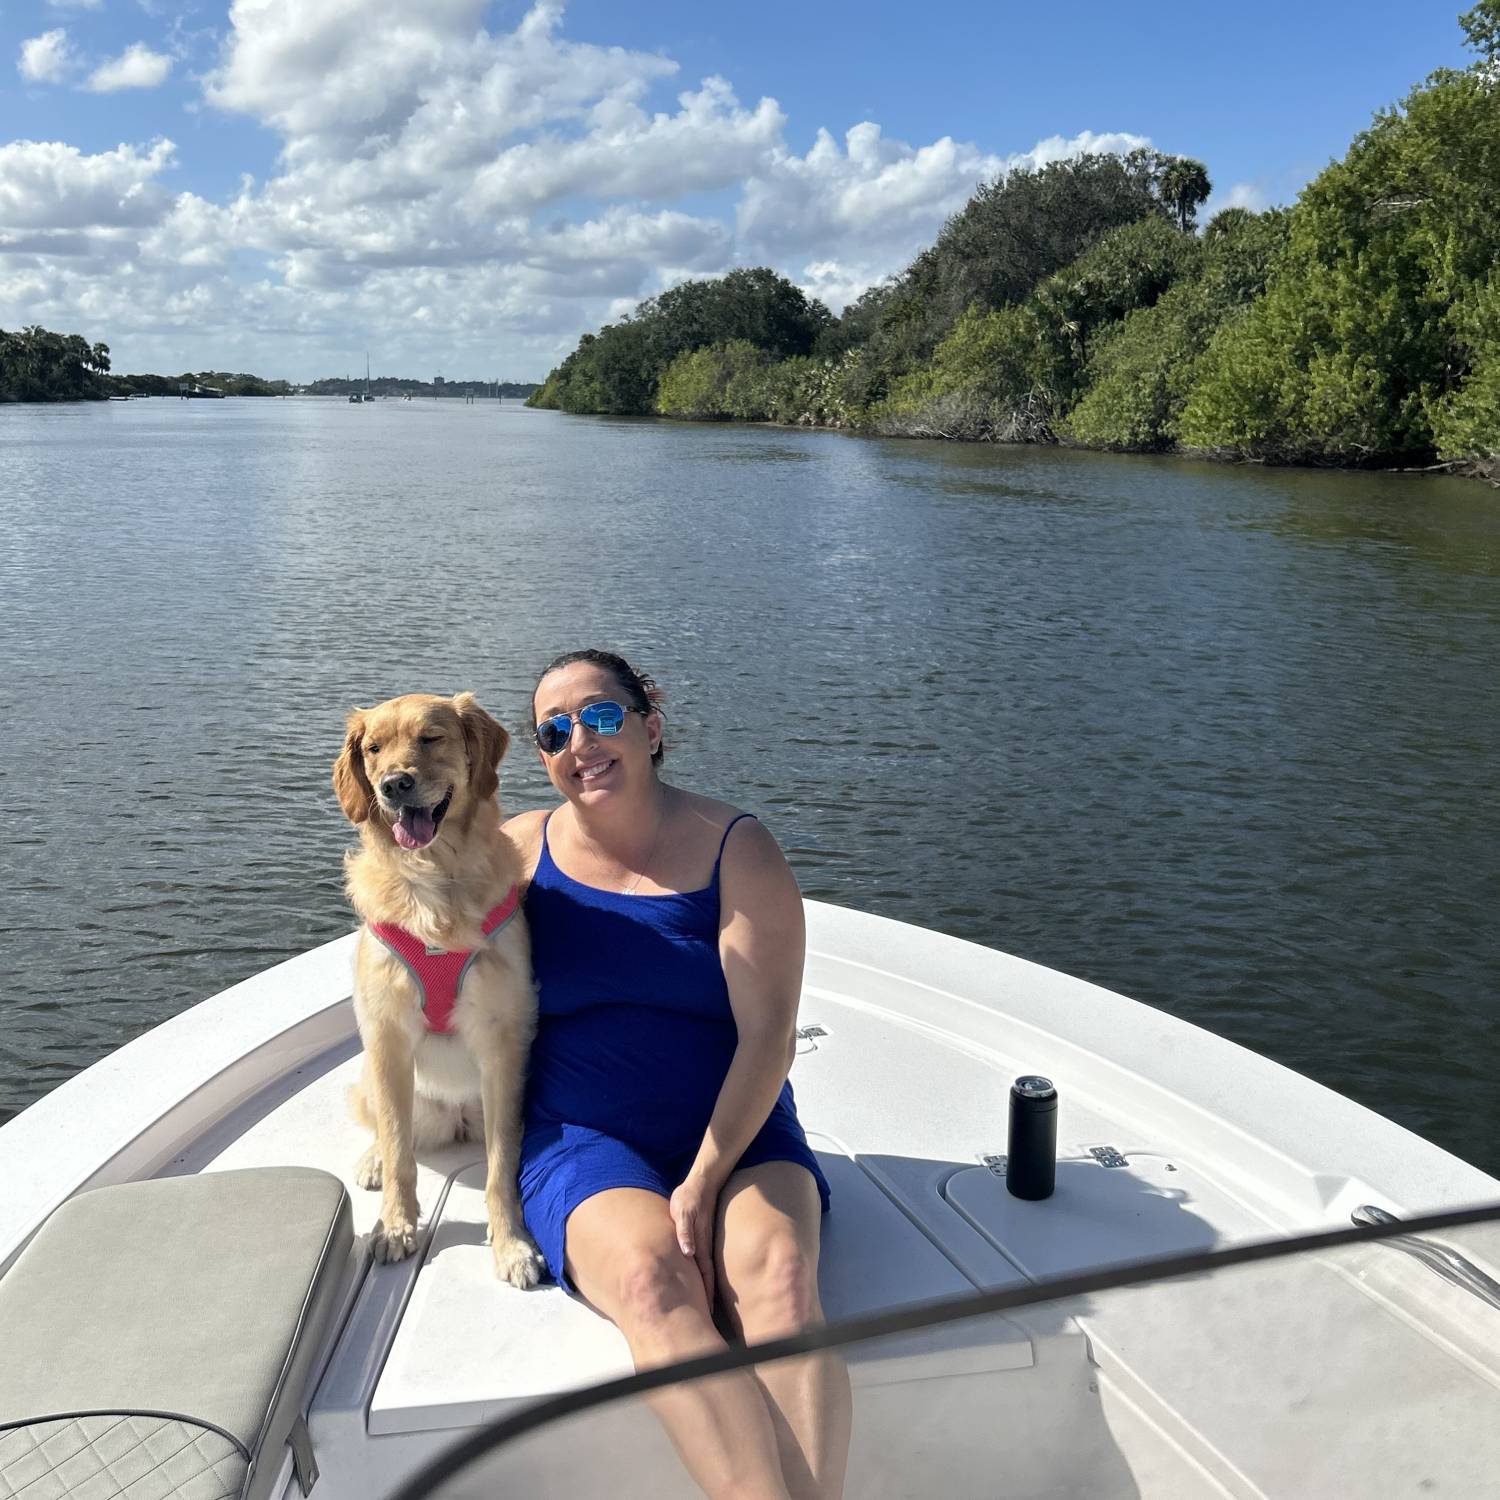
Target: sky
[[463, 188]]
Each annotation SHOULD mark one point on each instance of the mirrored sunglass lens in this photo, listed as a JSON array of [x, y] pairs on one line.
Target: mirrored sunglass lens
[[603, 718], [552, 734]]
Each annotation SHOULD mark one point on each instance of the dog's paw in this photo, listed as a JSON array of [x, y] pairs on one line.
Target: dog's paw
[[392, 1242], [518, 1261], [367, 1170]]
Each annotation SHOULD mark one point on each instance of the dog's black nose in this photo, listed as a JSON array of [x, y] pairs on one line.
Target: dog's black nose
[[397, 785]]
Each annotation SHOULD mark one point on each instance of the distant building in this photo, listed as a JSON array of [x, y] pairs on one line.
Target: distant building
[[437, 379]]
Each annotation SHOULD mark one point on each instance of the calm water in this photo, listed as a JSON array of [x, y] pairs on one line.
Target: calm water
[[1221, 739]]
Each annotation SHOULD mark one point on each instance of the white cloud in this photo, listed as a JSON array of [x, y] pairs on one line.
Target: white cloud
[[710, 143], [76, 4], [1241, 195], [444, 186], [877, 202], [137, 67], [1085, 143], [46, 58], [49, 186]]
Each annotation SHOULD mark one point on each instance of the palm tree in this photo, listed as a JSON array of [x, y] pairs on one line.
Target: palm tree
[[1227, 221], [1183, 185]]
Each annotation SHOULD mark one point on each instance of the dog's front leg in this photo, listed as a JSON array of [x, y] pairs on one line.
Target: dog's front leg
[[393, 1082], [517, 1259]]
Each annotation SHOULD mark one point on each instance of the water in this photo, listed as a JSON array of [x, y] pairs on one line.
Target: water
[[1221, 739]]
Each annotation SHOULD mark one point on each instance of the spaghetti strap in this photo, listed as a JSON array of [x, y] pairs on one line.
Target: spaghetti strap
[[720, 860]]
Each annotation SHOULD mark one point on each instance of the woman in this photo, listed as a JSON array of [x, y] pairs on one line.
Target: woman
[[663, 1172]]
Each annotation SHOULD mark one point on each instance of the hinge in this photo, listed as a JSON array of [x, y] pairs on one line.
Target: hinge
[[304, 1465]]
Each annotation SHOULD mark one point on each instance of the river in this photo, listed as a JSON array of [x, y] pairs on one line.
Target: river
[[1223, 739]]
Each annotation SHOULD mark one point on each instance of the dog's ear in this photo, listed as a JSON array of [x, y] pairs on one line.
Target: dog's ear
[[486, 742], [356, 795]]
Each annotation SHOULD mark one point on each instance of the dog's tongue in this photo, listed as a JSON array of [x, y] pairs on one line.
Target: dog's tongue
[[415, 828]]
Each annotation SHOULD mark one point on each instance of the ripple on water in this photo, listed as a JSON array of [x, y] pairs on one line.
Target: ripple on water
[[1220, 739]]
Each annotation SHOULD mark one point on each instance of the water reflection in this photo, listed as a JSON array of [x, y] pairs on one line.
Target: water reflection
[[1218, 738]]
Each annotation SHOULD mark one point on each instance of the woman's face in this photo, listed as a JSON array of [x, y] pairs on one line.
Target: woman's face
[[592, 766]]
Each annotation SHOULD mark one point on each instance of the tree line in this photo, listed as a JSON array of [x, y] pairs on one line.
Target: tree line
[[39, 365], [1080, 303]]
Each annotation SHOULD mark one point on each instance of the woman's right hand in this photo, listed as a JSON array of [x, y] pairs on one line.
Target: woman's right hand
[[694, 1209]]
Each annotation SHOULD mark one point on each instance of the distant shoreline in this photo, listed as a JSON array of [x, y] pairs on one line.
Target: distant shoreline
[[510, 391]]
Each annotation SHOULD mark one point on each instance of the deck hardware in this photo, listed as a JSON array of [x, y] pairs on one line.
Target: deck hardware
[[304, 1465], [807, 1033], [1107, 1156], [1457, 1270], [996, 1164]]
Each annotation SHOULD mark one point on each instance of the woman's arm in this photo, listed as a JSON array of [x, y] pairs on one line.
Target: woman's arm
[[762, 945]]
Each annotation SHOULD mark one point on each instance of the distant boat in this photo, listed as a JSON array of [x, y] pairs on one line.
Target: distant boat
[[356, 398]]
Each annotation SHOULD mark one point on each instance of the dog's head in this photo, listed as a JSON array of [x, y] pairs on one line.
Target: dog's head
[[411, 763]]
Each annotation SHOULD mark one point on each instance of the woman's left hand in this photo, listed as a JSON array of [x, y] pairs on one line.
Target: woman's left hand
[[694, 1210]]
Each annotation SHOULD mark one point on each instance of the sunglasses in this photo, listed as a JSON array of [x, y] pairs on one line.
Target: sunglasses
[[603, 718]]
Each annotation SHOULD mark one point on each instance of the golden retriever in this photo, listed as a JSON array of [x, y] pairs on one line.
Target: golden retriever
[[442, 972]]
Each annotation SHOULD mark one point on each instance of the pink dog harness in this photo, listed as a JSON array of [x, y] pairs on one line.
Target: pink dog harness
[[438, 973]]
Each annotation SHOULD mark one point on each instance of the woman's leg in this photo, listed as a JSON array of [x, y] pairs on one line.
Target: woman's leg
[[770, 1219], [622, 1254]]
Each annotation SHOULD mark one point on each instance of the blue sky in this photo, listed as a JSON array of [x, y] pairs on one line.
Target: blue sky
[[1270, 90], [458, 183]]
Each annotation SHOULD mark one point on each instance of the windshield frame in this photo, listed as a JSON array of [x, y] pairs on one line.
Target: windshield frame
[[913, 1318]]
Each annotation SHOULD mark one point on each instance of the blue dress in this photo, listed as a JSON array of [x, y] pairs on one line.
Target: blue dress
[[634, 1038]]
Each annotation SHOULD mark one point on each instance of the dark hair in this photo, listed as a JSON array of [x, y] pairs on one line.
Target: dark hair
[[640, 689]]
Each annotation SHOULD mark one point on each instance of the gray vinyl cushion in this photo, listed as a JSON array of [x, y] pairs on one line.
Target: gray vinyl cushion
[[200, 1300], [130, 1457]]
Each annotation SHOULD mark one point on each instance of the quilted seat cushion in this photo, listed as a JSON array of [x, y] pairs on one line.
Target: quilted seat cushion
[[195, 1303], [119, 1457]]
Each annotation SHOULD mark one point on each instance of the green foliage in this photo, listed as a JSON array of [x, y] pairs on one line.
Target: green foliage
[[1076, 302], [994, 353], [1142, 371], [1351, 351], [755, 305], [741, 382], [619, 368], [37, 365], [1013, 369], [1482, 29], [1183, 185], [718, 382], [1226, 221], [1011, 235], [1128, 268], [1466, 423], [237, 384]]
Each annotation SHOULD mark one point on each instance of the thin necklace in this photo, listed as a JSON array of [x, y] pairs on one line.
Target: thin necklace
[[645, 864], [661, 818]]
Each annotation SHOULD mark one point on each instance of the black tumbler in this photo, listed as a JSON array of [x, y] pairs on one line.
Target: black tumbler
[[1031, 1151]]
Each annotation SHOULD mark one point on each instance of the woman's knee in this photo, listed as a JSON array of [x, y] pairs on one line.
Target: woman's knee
[[773, 1284], [650, 1285]]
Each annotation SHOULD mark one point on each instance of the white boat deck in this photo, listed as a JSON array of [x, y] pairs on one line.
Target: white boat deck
[[903, 1095]]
